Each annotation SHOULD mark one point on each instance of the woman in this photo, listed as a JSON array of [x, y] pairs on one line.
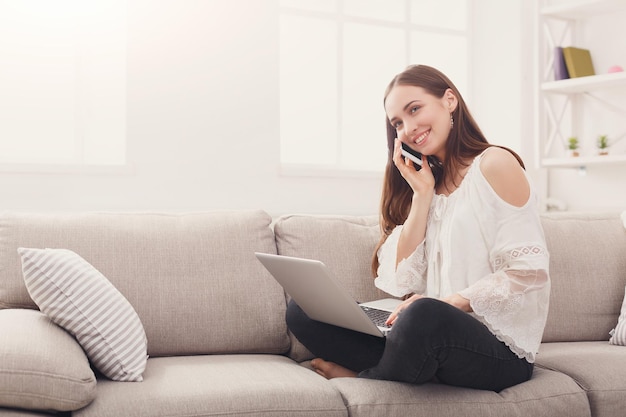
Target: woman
[[461, 242]]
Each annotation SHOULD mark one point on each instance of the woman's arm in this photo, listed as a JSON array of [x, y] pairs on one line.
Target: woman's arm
[[506, 177], [402, 262], [513, 300], [422, 183], [414, 230], [405, 277]]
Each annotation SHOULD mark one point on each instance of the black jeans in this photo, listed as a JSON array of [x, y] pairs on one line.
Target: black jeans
[[430, 340]]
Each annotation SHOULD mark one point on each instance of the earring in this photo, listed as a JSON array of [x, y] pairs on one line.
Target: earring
[[451, 121]]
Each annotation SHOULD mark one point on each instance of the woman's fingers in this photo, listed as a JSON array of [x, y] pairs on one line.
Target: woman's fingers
[[426, 165], [420, 181], [401, 307], [398, 159]]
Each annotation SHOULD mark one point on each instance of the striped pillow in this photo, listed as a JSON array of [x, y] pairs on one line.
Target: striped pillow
[[618, 334], [80, 299]]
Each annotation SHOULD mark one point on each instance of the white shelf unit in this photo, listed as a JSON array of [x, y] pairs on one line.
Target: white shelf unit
[[583, 161], [585, 84], [581, 9], [552, 131]]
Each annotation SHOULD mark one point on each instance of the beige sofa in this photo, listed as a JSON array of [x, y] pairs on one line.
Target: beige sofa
[[217, 340]]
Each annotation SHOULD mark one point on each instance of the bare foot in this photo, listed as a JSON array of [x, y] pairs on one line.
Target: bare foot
[[330, 370]]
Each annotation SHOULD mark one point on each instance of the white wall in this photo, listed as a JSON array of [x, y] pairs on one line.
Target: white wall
[[497, 73], [202, 121]]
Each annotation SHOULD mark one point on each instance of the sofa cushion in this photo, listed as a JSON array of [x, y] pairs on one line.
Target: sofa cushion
[[219, 385], [597, 367], [41, 365], [14, 412], [546, 394], [77, 297], [588, 274], [618, 334], [184, 273], [344, 243]]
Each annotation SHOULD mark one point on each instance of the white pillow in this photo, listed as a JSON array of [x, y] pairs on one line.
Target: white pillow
[[618, 334], [80, 299]]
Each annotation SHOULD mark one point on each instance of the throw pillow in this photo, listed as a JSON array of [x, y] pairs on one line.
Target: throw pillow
[[77, 297], [41, 365], [618, 334]]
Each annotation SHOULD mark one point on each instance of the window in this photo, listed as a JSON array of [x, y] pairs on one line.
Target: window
[[63, 82], [336, 59]]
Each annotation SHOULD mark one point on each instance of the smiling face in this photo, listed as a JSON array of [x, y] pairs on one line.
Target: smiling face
[[421, 120]]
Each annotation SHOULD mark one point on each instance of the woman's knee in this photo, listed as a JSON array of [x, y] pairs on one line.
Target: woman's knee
[[434, 310], [428, 316], [294, 316]]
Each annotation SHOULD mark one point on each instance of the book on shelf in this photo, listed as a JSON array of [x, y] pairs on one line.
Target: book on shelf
[[560, 68], [578, 62]]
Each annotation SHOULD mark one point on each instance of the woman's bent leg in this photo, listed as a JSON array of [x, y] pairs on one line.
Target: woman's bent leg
[[353, 350], [434, 339]]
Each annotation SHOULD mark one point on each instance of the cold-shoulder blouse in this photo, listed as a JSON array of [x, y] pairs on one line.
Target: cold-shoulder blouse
[[485, 249]]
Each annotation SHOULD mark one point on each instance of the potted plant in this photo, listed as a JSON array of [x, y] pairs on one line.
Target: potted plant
[[572, 146], [603, 145]]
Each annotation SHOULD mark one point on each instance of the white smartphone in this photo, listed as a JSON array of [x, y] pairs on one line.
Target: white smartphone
[[414, 156]]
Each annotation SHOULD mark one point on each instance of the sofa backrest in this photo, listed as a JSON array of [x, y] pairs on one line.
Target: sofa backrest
[[198, 289], [588, 274], [192, 278], [344, 243]]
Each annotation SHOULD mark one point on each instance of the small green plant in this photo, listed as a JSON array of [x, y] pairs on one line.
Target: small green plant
[[572, 145], [603, 143]]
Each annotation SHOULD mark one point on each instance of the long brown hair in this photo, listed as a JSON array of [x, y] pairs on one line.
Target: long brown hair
[[465, 142]]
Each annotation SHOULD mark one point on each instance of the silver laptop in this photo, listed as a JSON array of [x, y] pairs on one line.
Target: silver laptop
[[319, 294]]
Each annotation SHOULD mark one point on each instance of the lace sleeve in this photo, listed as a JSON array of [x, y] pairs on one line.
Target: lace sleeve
[[408, 277], [513, 301]]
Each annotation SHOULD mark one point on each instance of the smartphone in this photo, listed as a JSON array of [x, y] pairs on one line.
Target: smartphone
[[414, 156]]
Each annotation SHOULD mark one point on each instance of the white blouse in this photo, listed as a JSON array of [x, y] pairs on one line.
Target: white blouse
[[488, 251]]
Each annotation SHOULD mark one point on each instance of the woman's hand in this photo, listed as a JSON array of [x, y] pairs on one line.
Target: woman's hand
[[458, 301], [454, 300], [422, 181], [394, 316]]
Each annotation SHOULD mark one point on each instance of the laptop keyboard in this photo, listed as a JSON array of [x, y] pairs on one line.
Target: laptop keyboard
[[379, 317]]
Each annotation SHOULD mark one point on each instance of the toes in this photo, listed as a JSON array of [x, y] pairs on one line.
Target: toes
[[315, 365]]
